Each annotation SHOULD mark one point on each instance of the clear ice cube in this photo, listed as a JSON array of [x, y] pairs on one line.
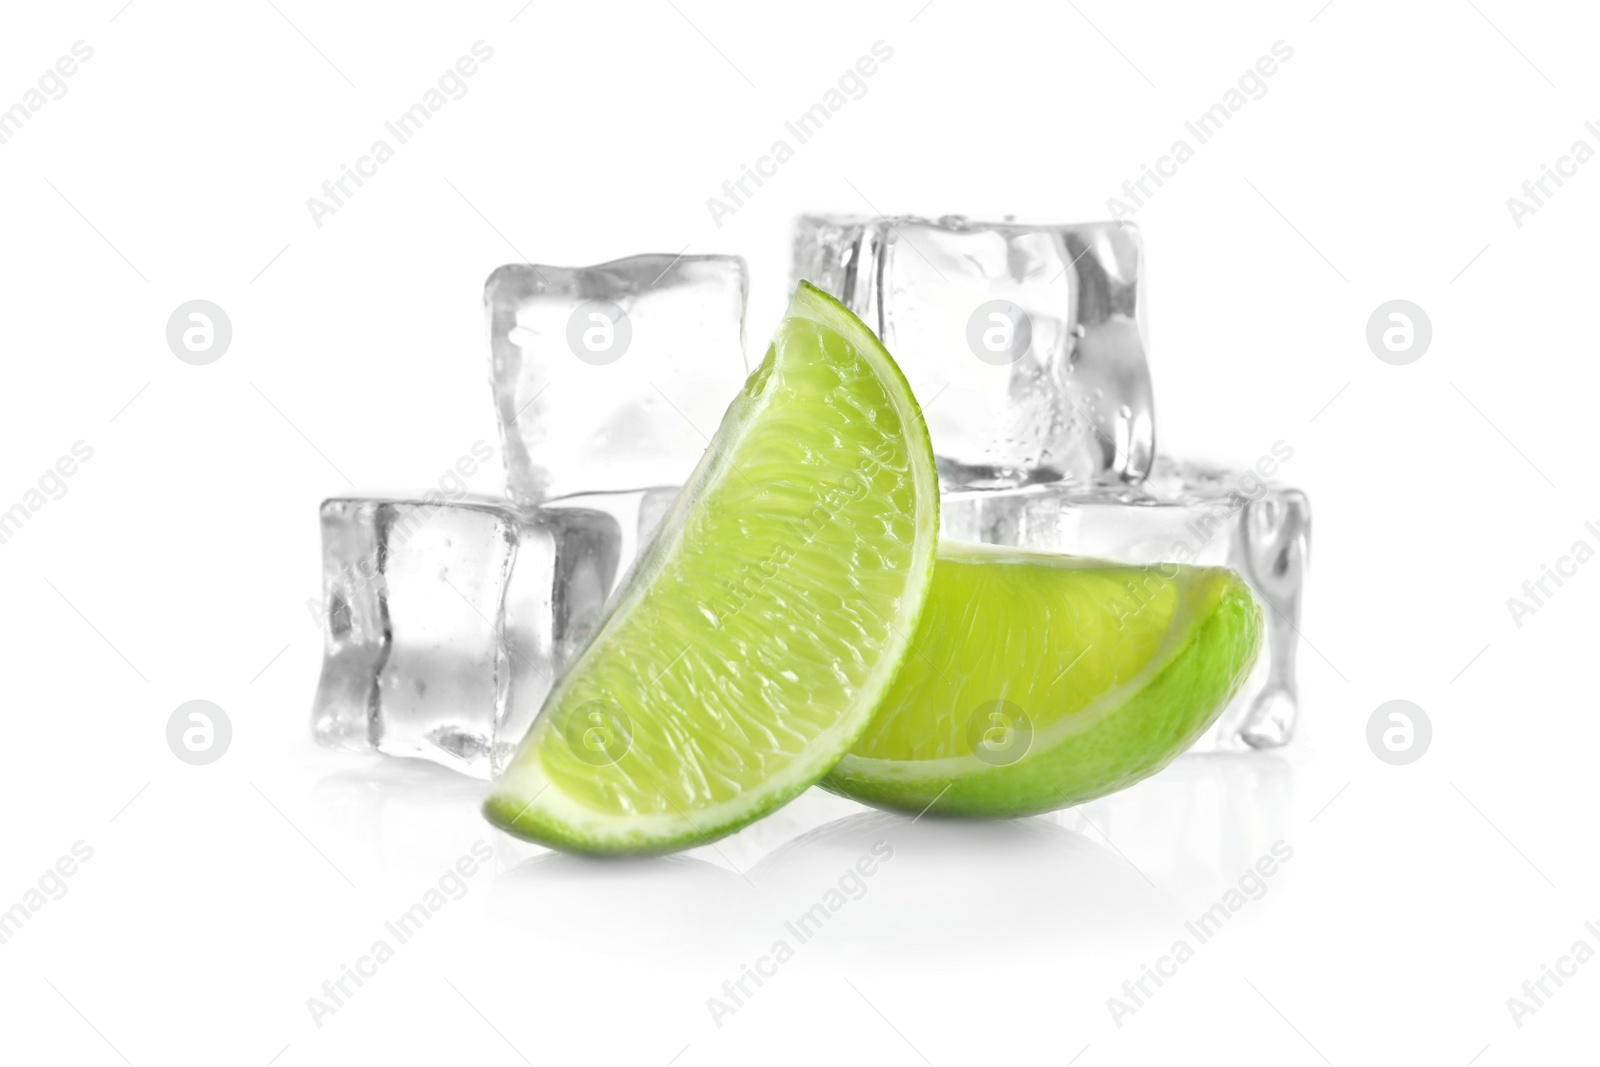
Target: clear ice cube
[[445, 623], [1024, 344], [613, 377], [1184, 513]]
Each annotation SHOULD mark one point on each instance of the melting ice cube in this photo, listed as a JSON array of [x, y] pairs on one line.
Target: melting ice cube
[[445, 623], [1024, 344], [613, 377]]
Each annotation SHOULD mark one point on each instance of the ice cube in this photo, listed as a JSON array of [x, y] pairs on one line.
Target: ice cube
[[1025, 344], [1184, 513], [446, 622], [613, 377]]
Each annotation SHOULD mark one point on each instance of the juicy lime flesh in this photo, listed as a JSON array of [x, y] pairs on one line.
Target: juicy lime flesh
[[1040, 681], [764, 624], [1065, 634]]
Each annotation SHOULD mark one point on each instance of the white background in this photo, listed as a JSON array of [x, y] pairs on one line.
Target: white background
[[178, 563]]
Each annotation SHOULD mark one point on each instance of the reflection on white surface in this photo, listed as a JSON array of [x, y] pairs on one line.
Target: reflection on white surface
[[843, 883], [401, 814], [660, 909], [1193, 828], [870, 888], [886, 890]]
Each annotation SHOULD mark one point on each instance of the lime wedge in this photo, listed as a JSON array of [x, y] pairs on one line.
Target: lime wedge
[[1038, 681], [762, 628]]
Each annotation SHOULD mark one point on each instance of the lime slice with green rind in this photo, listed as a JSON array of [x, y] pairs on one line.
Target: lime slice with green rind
[[762, 628], [1039, 681]]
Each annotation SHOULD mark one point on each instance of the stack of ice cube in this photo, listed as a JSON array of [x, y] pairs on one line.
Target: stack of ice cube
[[447, 620], [1026, 347]]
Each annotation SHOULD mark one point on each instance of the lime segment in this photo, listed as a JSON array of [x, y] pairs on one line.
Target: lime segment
[[762, 628], [1038, 681]]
